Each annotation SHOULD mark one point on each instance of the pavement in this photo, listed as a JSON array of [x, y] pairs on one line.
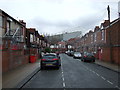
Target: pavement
[[108, 65], [17, 77]]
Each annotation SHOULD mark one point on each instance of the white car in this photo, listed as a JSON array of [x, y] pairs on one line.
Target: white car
[[77, 55]]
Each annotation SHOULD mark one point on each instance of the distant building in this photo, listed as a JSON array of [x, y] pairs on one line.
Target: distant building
[[64, 37], [55, 38]]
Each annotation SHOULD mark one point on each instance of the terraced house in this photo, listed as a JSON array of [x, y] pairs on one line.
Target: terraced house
[[17, 42], [104, 41]]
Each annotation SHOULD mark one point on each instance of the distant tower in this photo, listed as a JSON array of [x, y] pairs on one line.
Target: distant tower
[[119, 9]]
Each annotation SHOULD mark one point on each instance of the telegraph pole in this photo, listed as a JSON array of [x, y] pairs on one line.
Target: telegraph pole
[[110, 44]]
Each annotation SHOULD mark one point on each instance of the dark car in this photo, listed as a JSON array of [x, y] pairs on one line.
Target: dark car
[[88, 57], [50, 60]]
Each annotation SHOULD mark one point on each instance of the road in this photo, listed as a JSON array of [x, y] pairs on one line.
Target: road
[[74, 73]]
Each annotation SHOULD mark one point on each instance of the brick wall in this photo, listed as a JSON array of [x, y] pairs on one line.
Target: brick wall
[[116, 54], [101, 41], [12, 58], [5, 60], [106, 54]]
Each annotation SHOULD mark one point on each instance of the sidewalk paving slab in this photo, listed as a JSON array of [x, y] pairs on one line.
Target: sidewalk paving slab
[[18, 76], [108, 65]]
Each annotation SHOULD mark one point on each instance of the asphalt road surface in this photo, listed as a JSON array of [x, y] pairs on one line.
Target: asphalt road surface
[[74, 73]]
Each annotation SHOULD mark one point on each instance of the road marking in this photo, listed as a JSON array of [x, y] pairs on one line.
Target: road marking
[[97, 74], [62, 75], [63, 79], [109, 82], [117, 87], [103, 78], [93, 71], [63, 84]]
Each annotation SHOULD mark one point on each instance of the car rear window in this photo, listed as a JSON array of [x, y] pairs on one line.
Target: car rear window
[[50, 56], [90, 54]]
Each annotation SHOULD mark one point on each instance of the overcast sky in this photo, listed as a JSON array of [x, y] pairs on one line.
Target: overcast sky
[[56, 16]]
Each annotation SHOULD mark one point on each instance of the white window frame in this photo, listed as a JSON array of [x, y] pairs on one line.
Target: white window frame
[[103, 34], [95, 37], [31, 37], [91, 38]]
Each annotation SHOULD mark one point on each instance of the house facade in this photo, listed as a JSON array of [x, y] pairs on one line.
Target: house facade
[[18, 43], [103, 41], [12, 34]]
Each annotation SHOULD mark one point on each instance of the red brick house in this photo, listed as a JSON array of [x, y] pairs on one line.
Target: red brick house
[[112, 42], [17, 43], [12, 33], [104, 41]]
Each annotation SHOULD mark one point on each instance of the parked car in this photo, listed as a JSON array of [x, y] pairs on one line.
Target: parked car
[[50, 60], [70, 53], [66, 52], [77, 55], [88, 57]]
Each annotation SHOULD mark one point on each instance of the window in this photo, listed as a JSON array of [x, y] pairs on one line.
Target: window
[[37, 40], [8, 26], [95, 37], [40, 42], [103, 34], [3, 22], [34, 38], [91, 38], [0, 21], [31, 38], [2, 26]]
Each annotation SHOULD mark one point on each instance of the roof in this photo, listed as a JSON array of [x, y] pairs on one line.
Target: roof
[[11, 17]]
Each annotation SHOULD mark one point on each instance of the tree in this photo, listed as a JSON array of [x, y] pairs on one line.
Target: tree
[[48, 50]]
